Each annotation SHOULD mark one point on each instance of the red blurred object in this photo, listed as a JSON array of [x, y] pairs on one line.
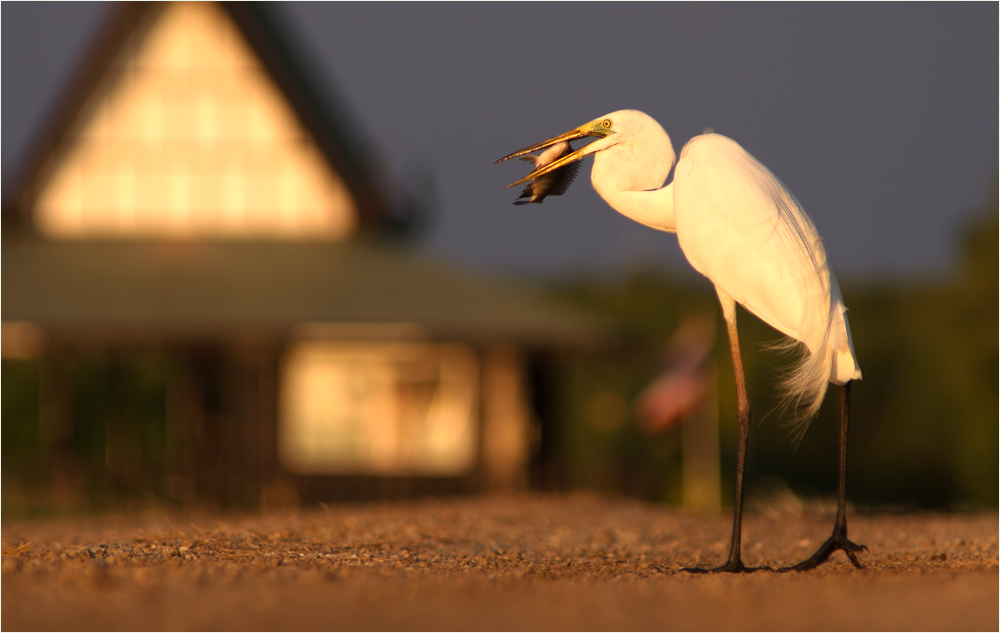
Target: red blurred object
[[685, 382]]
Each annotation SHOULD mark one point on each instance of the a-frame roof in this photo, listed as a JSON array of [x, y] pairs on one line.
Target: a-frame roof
[[105, 290], [269, 39]]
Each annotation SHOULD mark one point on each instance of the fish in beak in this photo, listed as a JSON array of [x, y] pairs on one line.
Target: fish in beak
[[554, 183], [600, 128]]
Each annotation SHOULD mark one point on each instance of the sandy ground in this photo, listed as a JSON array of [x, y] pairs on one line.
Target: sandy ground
[[523, 562]]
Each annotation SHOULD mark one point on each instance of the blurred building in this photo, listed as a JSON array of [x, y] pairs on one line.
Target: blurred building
[[199, 206]]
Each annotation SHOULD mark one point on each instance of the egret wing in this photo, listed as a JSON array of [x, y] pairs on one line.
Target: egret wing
[[739, 226]]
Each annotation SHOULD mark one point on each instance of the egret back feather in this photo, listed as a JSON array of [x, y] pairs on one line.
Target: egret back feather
[[742, 228]]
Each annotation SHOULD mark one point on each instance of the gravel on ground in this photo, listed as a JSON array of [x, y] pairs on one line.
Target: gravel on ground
[[538, 562]]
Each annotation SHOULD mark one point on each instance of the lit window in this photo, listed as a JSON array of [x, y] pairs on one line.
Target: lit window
[[379, 408]]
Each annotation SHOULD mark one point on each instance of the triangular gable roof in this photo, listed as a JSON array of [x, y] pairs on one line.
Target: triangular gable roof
[[327, 125]]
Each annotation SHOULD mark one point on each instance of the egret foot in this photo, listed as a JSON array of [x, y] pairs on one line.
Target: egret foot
[[838, 540]]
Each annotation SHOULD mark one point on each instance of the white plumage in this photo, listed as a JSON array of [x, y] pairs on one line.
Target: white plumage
[[743, 229], [740, 226]]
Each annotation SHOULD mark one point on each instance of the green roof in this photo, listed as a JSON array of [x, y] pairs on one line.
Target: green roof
[[164, 290]]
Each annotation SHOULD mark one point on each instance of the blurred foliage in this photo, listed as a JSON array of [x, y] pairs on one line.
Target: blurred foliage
[[103, 444], [924, 427], [20, 433]]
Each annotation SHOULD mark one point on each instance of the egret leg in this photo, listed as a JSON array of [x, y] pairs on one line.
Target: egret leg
[[735, 563], [838, 540]]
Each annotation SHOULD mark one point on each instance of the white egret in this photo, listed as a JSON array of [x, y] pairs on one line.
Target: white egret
[[739, 226]]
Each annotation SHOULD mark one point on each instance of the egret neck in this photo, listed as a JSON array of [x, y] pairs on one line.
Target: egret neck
[[630, 170], [653, 208]]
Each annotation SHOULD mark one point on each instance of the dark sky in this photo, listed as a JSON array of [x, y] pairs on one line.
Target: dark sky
[[881, 118]]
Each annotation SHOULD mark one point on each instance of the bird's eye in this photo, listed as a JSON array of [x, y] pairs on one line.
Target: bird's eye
[[607, 123]]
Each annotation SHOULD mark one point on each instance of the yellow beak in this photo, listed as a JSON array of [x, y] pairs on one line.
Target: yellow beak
[[590, 129]]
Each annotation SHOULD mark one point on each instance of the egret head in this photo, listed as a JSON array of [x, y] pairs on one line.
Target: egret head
[[623, 127]]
